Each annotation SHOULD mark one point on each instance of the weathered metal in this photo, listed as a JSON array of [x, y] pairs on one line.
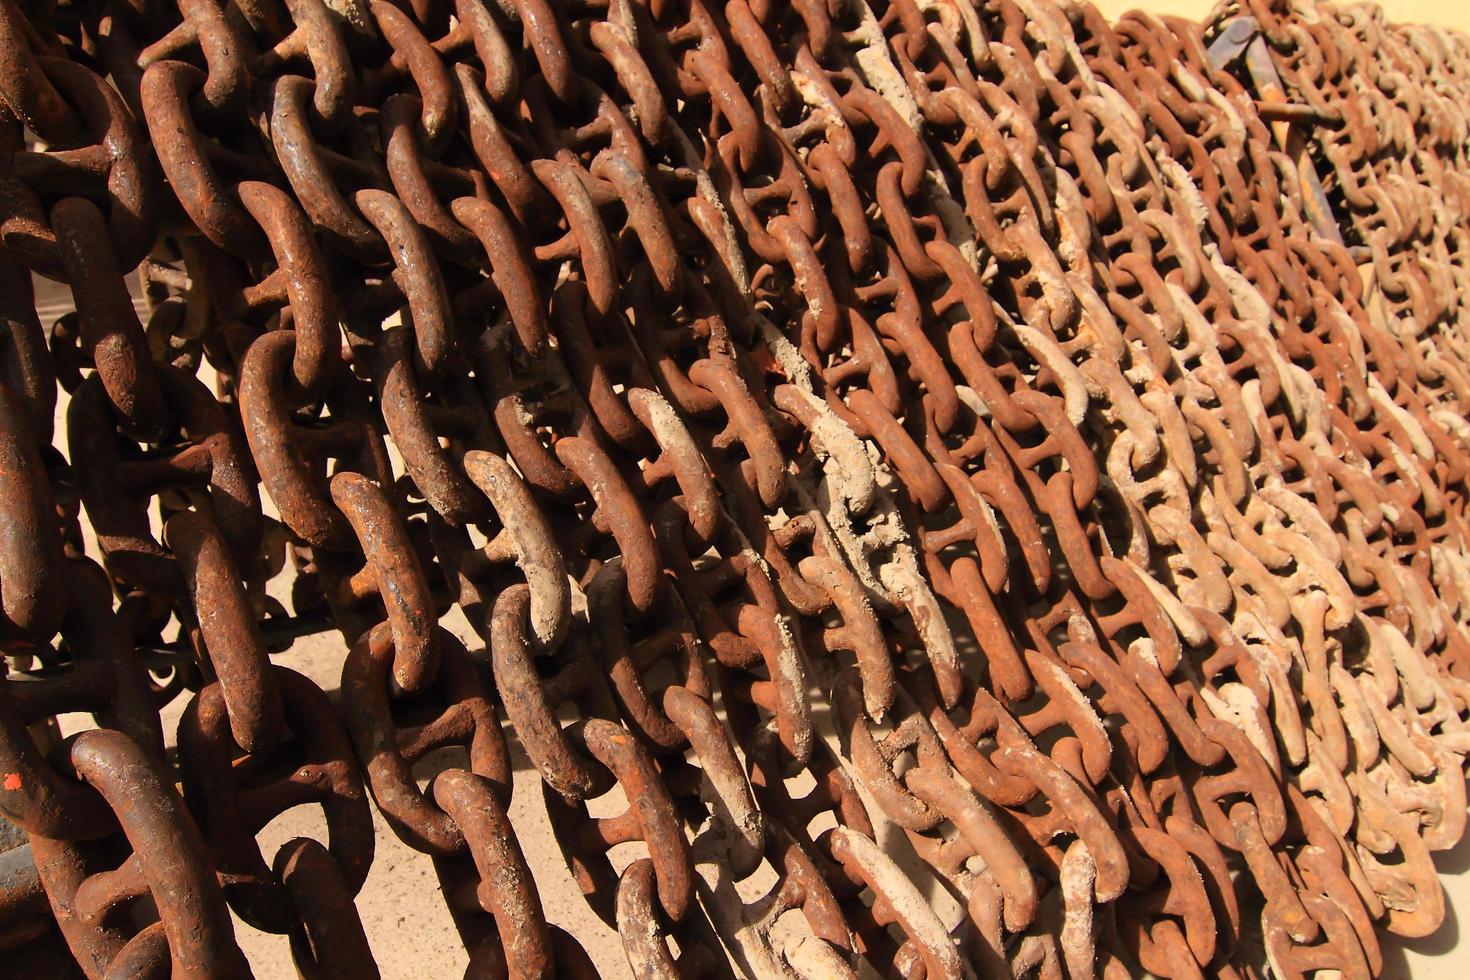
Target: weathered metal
[[989, 479]]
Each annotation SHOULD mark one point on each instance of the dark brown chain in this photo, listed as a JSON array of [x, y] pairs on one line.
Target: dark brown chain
[[989, 480]]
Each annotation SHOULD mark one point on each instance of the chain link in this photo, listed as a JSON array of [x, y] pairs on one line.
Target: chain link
[[989, 480]]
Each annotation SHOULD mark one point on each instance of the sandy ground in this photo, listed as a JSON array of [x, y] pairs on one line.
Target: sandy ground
[[404, 915]]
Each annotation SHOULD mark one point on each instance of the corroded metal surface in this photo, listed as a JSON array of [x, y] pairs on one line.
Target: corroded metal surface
[[986, 481]]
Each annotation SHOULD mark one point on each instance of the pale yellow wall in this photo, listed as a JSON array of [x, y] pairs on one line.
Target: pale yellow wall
[[1448, 13]]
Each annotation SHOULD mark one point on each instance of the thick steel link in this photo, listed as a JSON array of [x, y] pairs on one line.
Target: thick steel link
[[989, 479]]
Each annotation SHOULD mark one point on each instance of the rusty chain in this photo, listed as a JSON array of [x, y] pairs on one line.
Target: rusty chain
[[989, 480]]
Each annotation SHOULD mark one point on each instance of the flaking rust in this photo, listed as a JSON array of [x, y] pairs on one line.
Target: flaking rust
[[989, 481]]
